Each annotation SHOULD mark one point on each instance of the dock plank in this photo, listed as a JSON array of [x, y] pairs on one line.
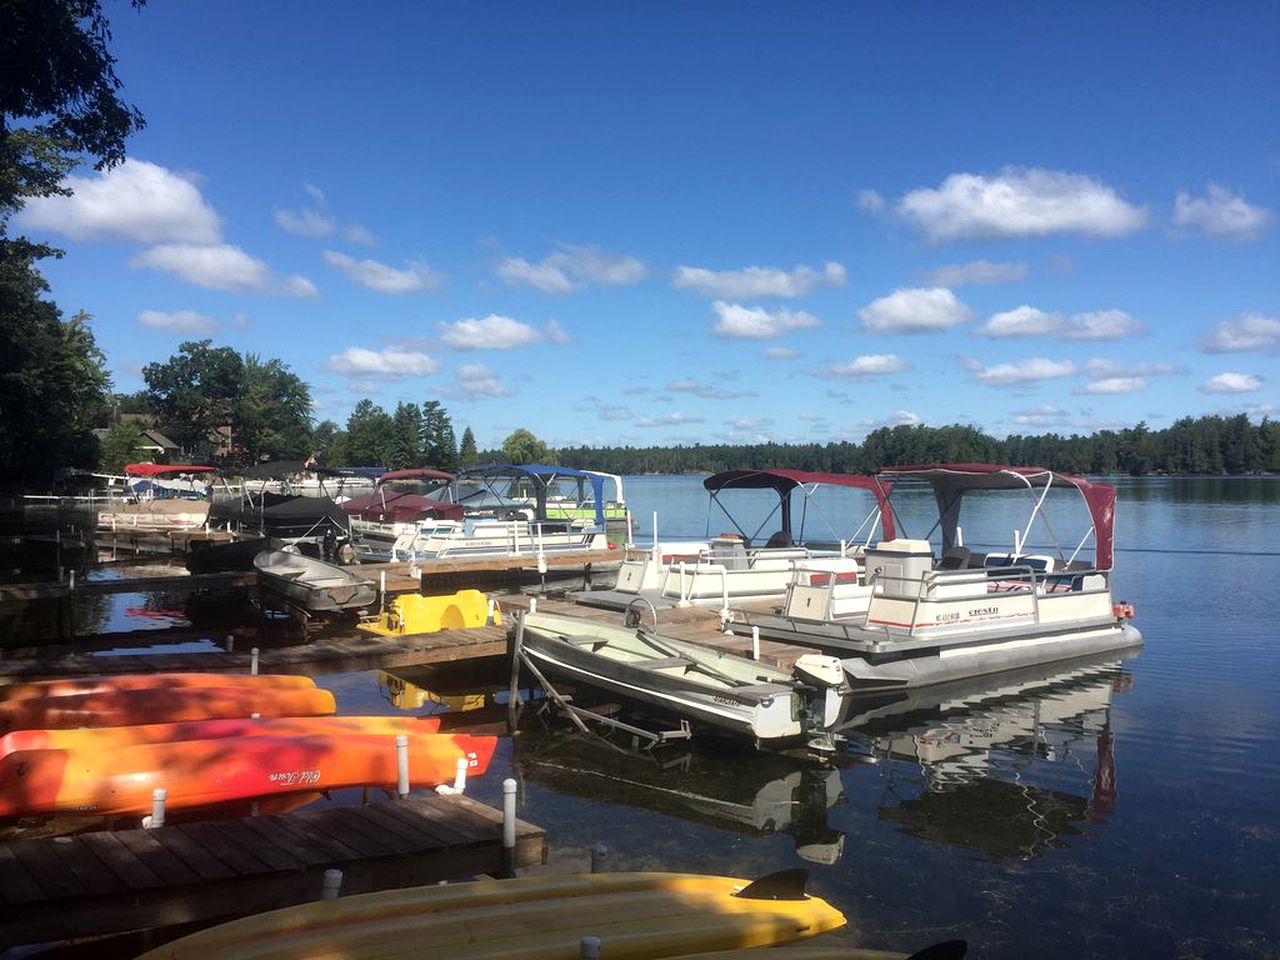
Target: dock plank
[[102, 883]]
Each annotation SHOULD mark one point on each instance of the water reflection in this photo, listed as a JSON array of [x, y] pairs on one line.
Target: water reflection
[[1010, 767], [755, 795]]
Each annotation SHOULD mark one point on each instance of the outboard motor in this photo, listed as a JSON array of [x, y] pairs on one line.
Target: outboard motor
[[823, 676]]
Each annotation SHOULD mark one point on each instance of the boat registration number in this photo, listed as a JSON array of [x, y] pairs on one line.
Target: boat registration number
[[291, 777]]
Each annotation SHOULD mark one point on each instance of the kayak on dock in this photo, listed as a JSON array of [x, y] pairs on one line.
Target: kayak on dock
[[197, 773], [635, 915], [151, 681]]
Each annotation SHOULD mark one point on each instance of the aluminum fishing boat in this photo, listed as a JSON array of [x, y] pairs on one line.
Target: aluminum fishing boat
[[312, 586], [687, 680], [914, 617]]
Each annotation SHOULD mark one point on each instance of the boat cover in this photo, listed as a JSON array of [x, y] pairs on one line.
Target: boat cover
[[159, 469], [403, 506], [950, 481], [784, 481], [542, 476]]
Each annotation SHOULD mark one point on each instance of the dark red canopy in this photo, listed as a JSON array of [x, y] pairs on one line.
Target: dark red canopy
[[951, 480], [784, 481], [156, 469], [416, 473], [403, 506]]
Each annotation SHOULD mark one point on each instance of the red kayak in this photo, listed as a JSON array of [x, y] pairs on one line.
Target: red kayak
[[116, 708], [150, 681], [203, 772], [113, 738]]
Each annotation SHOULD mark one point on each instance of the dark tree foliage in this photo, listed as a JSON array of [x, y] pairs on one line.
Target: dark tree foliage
[[467, 454], [439, 443], [407, 440], [53, 381], [370, 437], [58, 82]]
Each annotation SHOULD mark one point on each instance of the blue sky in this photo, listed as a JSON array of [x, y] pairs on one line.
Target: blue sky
[[677, 223]]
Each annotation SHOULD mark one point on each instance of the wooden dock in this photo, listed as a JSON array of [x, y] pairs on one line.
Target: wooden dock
[[115, 881]]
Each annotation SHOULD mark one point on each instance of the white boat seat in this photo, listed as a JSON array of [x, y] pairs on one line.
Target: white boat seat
[[664, 663]]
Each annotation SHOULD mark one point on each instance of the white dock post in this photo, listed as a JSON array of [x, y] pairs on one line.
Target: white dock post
[[599, 854], [460, 776], [158, 797], [533, 604], [402, 765], [230, 643], [332, 884], [509, 814], [488, 613], [71, 580], [959, 536], [589, 948], [382, 590], [253, 661], [755, 643]]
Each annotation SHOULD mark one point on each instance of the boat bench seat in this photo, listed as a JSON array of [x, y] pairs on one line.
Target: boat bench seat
[[664, 663]]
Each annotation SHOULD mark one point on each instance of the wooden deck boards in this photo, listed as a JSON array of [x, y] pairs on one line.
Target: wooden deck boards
[[99, 883]]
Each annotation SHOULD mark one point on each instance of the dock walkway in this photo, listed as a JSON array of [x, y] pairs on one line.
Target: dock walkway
[[115, 881]]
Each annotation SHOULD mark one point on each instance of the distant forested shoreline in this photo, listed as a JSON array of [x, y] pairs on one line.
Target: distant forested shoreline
[[1213, 445]]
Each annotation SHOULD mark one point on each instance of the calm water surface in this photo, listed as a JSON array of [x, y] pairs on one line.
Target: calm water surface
[[1101, 809]]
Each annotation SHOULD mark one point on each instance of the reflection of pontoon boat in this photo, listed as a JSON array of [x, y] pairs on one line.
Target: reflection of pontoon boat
[[746, 564], [756, 796], [485, 536], [161, 497], [913, 620], [1005, 765], [688, 680]]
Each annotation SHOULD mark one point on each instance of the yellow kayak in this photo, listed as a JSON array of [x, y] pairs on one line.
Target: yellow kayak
[[635, 915]]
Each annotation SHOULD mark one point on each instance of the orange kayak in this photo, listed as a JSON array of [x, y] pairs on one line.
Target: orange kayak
[[204, 772], [116, 708], [112, 738], [150, 681]]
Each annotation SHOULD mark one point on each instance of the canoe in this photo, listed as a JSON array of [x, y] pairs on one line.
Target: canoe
[[709, 687], [203, 772], [112, 738], [116, 708], [636, 916], [150, 681], [313, 585]]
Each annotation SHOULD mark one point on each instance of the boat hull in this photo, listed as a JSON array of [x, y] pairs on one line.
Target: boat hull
[[638, 915], [312, 585]]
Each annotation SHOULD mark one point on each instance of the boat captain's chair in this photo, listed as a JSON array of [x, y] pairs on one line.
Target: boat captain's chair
[[779, 540], [955, 558]]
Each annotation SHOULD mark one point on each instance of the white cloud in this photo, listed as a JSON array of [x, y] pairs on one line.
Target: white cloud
[[377, 276], [1113, 386], [1232, 383], [670, 420], [779, 353], [914, 310], [179, 321], [1019, 202], [1221, 214], [391, 363], [1249, 331], [706, 390], [905, 418], [753, 282], [1041, 416], [136, 200], [222, 267], [868, 365], [475, 380], [314, 192], [306, 223], [870, 201], [493, 332], [557, 334], [757, 323], [358, 233], [1028, 321], [1100, 368], [1024, 371], [977, 272], [571, 268]]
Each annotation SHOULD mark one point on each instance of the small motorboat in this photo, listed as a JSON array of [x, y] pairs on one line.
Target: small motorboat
[[689, 681], [313, 586], [636, 915]]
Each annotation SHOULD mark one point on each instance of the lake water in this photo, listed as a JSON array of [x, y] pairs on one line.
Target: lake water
[[1102, 809]]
